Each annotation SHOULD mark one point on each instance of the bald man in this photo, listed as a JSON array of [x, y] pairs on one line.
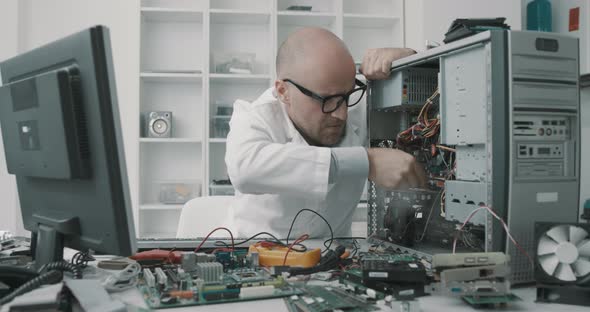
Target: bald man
[[294, 147]]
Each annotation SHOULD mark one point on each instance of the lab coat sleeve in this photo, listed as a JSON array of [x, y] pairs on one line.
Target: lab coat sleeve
[[349, 164], [257, 165]]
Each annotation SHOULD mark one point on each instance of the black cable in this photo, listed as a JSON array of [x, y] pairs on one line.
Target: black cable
[[277, 241], [50, 277], [328, 223], [63, 266], [353, 238], [81, 259], [327, 262]]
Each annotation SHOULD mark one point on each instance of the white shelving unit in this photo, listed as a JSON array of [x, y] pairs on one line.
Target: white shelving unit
[[182, 41]]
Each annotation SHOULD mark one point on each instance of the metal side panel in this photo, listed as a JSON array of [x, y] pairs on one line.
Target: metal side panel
[[464, 88], [435, 53], [462, 198], [472, 163]]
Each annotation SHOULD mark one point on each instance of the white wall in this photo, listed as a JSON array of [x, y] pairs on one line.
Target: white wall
[[8, 48], [430, 19], [40, 22]]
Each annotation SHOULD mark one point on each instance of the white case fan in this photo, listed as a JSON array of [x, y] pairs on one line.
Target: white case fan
[[562, 262], [564, 252]]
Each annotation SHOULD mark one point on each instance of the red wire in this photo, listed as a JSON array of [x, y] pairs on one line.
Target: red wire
[[219, 228], [491, 211], [297, 241], [170, 254]]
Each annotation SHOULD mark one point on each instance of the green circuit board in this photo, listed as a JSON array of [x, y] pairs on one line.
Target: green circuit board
[[233, 286], [325, 298]]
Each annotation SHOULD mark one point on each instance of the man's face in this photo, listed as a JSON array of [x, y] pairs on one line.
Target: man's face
[[317, 127]]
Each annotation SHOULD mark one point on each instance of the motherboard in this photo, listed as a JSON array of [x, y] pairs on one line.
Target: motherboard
[[171, 286]]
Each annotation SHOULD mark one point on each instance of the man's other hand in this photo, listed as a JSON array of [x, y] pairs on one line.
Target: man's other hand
[[377, 62], [395, 169]]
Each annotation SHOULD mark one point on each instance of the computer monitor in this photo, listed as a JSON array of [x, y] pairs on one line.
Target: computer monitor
[[63, 141]]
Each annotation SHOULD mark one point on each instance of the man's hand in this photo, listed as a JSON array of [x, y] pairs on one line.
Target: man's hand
[[377, 62], [395, 169]]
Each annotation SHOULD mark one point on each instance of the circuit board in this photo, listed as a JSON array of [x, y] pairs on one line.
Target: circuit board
[[325, 298], [493, 301], [181, 289]]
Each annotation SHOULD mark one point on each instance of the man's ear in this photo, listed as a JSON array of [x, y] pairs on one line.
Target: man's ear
[[282, 91]]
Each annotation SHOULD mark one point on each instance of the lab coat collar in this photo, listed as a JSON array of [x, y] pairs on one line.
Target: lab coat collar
[[352, 131]]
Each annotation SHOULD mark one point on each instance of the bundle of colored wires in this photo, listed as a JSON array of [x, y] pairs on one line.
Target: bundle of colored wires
[[424, 128]]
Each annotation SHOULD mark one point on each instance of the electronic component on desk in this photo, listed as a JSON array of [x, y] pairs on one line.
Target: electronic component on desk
[[160, 255], [189, 261], [448, 260], [15, 246], [497, 271], [149, 278], [472, 276], [172, 277], [232, 259], [353, 278], [247, 275], [213, 286], [562, 266], [392, 268], [327, 298], [482, 288], [254, 260], [210, 271], [401, 291], [256, 292], [161, 277], [275, 256], [7, 244]]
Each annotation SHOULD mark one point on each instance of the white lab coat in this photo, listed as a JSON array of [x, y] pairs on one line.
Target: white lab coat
[[276, 173]]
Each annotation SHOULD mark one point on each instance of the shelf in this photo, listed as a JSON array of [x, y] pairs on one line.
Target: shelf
[[169, 140], [369, 20], [238, 77], [218, 140], [306, 18], [172, 15], [158, 206], [171, 76], [226, 16]]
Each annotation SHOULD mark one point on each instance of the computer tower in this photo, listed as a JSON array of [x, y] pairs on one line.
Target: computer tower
[[501, 130]]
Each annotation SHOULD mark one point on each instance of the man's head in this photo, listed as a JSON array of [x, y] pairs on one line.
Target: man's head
[[319, 61]]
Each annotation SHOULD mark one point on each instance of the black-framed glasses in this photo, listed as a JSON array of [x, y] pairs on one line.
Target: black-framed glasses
[[331, 103]]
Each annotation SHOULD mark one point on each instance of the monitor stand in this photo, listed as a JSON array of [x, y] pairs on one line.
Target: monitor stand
[[49, 245]]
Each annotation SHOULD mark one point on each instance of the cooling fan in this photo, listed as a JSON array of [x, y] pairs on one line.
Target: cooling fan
[[562, 257]]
